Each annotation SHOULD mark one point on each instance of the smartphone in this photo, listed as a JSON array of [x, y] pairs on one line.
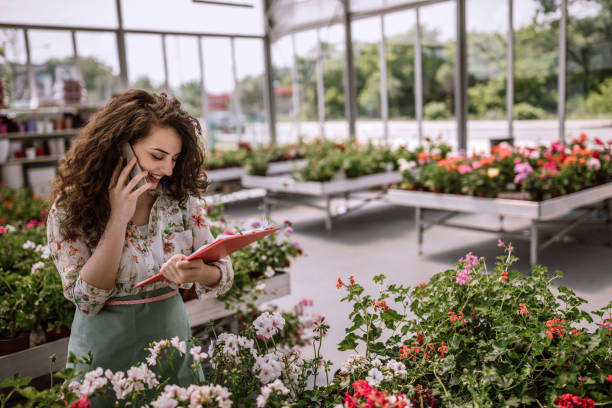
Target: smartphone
[[128, 153]]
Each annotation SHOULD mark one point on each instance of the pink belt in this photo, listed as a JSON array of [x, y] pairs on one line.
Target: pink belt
[[140, 301]]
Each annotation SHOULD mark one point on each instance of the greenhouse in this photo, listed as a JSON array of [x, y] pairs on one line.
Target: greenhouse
[[306, 203]]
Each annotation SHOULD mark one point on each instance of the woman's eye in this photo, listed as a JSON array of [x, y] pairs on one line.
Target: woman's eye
[[155, 157]]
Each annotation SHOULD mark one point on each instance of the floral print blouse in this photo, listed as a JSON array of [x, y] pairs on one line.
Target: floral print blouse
[[172, 229]]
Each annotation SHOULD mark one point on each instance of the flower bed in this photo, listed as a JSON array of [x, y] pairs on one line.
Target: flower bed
[[535, 173], [467, 337]]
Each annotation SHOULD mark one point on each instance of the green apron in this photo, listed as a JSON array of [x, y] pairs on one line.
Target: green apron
[[118, 335]]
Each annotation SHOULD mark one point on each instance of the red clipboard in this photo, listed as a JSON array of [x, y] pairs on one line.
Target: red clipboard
[[218, 249]]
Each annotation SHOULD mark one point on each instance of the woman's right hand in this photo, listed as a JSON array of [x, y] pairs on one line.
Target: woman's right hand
[[122, 195]]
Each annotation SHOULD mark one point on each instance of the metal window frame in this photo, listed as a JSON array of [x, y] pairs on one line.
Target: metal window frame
[[384, 96], [562, 88], [320, 88], [510, 70]]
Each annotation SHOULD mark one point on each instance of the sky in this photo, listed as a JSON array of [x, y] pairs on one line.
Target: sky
[[144, 52]]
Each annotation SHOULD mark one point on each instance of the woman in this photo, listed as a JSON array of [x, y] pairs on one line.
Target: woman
[[106, 234]]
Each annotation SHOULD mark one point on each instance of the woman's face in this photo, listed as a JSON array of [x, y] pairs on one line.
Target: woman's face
[[157, 153]]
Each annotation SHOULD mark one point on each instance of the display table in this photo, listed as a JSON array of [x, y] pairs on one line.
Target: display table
[[285, 190], [537, 212], [34, 362], [235, 173]]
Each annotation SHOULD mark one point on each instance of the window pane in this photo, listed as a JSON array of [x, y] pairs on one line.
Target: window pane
[[145, 61], [487, 25], [190, 16], [53, 62], [250, 77], [399, 31], [282, 66], [306, 50], [589, 69], [13, 68], [332, 46], [184, 72], [536, 41], [219, 84], [366, 42], [438, 32], [99, 65]]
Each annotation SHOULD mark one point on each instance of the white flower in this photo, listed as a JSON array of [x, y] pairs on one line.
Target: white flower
[[141, 376], [374, 377], [269, 272], [197, 353], [376, 362], [91, 382], [37, 266], [405, 165], [266, 390], [268, 324], [260, 287], [396, 367], [269, 367], [9, 228], [201, 395], [29, 245], [179, 345], [354, 362]]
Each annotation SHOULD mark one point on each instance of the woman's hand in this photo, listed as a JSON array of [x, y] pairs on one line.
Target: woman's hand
[[122, 195], [178, 270]]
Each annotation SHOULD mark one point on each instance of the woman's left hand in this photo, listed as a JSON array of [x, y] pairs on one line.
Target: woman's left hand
[[178, 270]]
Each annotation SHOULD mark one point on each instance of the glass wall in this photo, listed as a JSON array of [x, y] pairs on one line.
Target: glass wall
[[333, 54], [282, 77], [306, 52], [250, 73], [184, 72], [13, 70], [366, 36], [223, 126], [145, 61], [589, 68], [99, 65], [52, 57], [438, 32], [536, 67]]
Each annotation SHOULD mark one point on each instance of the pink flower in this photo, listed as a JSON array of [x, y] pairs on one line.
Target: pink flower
[[296, 245], [465, 168], [33, 223], [2, 230], [500, 243], [593, 163], [557, 146], [228, 232], [288, 230], [83, 402]]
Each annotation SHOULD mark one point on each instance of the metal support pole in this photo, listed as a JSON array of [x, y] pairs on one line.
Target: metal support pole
[[269, 97], [534, 243], [510, 70], [123, 68], [237, 108], [384, 101], [350, 94], [31, 78], [418, 78], [418, 216], [75, 55], [562, 69], [203, 96], [461, 77], [320, 88], [165, 58], [295, 84]]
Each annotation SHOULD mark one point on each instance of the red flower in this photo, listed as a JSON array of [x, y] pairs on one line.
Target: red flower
[[287, 223], [504, 276], [420, 338], [352, 279], [339, 284], [599, 142], [609, 378], [83, 402]]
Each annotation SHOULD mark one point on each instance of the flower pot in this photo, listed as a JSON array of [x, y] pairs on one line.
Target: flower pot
[[9, 346], [52, 335]]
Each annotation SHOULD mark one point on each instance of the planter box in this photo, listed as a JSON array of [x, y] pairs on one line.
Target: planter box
[[285, 184], [235, 173], [534, 210], [34, 362]]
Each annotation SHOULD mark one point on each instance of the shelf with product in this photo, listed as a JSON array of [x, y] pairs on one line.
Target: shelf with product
[[33, 140]]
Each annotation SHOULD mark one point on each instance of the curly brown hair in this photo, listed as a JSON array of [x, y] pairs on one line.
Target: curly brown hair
[[81, 188]]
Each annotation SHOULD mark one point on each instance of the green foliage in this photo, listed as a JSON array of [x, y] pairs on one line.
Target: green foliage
[[435, 111], [524, 111]]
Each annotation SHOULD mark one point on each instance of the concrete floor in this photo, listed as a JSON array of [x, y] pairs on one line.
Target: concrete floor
[[382, 239]]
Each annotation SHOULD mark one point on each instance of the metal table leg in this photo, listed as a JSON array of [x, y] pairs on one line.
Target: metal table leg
[[267, 205], [328, 215], [419, 226], [534, 243]]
